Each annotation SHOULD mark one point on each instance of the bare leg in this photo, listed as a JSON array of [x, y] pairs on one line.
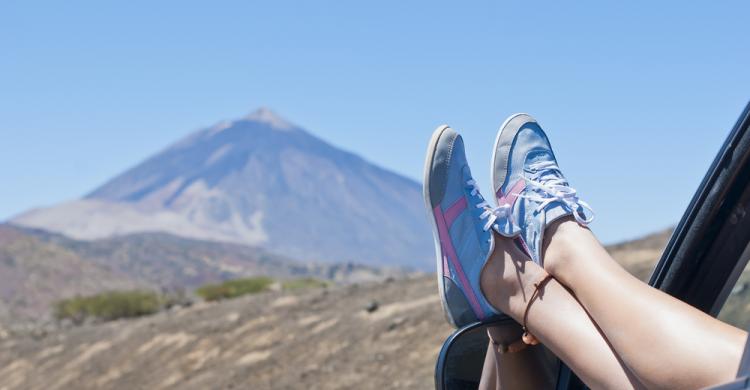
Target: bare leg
[[556, 318], [489, 380], [529, 368], [664, 341]]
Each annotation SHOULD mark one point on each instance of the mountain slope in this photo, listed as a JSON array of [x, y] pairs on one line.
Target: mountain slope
[[640, 255], [315, 339], [38, 267], [35, 273], [260, 181]]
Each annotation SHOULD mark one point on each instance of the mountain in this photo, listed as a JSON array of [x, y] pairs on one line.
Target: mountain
[[38, 268], [260, 181]]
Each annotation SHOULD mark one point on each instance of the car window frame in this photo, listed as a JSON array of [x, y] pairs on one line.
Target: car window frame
[[704, 255]]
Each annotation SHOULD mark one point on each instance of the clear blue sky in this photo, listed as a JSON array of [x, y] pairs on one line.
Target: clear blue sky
[[636, 96]]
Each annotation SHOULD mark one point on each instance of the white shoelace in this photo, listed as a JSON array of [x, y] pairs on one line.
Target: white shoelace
[[554, 188], [489, 214]]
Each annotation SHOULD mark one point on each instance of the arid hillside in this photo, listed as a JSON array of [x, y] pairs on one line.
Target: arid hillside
[[639, 256], [35, 273], [364, 336], [38, 268], [324, 338]]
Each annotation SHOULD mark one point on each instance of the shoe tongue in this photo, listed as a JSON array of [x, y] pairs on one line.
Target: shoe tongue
[[554, 210], [538, 156]]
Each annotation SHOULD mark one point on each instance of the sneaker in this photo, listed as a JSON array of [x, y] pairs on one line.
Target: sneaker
[[462, 224], [527, 179]]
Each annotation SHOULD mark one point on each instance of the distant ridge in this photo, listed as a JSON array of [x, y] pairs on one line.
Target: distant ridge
[[258, 180], [38, 268]]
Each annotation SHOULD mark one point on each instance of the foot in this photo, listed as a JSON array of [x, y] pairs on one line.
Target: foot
[[462, 225], [508, 278], [528, 181]]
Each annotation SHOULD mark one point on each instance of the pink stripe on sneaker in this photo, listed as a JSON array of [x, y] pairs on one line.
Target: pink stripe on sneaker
[[510, 199], [447, 245], [454, 211], [512, 195], [523, 246]]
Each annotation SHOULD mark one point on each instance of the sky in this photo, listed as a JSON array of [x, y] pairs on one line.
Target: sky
[[636, 97]]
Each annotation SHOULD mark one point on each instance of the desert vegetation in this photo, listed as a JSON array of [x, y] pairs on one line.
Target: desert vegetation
[[234, 288], [108, 306], [303, 283], [113, 305], [239, 287]]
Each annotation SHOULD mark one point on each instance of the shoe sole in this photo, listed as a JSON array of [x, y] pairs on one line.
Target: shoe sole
[[503, 137], [428, 204]]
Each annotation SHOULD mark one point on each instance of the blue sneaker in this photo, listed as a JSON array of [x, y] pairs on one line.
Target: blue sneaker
[[462, 223], [527, 179]]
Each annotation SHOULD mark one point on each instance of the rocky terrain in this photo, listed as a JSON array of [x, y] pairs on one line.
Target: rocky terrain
[[364, 336], [38, 268], [319, 339], [259, 181], [35, 273]]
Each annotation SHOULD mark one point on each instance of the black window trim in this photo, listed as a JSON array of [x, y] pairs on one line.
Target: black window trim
[[704, 256]]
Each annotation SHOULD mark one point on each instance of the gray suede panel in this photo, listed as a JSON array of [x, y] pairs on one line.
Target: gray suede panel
[[439, 169], [528, 138], [458, 304], [457, 175], [508, 135]]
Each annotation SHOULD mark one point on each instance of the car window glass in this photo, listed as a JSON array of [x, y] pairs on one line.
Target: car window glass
[[639, 256], [736, 309]]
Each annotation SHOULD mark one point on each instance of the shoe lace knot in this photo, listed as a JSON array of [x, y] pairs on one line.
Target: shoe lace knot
[[489, 214], [549, 185]]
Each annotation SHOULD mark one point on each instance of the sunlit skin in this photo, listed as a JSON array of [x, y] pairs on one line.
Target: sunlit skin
[[611, 329], [555, 318]]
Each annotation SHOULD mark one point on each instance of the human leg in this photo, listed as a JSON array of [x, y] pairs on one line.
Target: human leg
[[555, 318], [665, 342]]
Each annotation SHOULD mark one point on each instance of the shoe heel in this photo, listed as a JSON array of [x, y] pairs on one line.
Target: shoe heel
[[456, 306]]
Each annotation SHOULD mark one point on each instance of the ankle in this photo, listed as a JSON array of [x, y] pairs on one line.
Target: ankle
[[559, 240], [508, 278], [532, 275]]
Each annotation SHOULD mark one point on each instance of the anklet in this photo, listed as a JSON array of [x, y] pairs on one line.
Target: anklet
[[527, 337]]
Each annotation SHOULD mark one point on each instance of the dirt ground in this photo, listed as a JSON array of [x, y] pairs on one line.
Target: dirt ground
[[319, 339]]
